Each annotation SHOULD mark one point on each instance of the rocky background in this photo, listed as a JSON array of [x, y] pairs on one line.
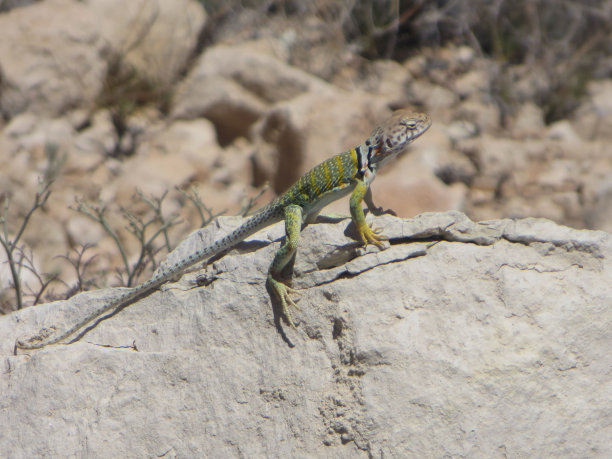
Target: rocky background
[[111, 105]]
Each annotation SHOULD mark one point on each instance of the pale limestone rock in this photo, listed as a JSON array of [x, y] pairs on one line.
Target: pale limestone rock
[[162, 172], [437, 97], [232, 108], [82, 232], [598, 212], [99, 140], [482, 339], [465, 55], [525, 206], [545, 177], [484, 115], [50, 243], [182, 153], [528, 122], [435, 152], [154, 37], [30, 132], [234, 86], [497, 157], [171, 156], [392, 81], [260, 73], [234, 167], [193, 140], [563, 131], [474, 83], [461, 129], [51, 58], [593, 119], [418, 192], [54, 55], [527, 82], [416, 66], [21, 125], [600, 92]]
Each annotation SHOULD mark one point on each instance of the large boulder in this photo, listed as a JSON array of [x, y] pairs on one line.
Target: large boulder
[[461, 339]]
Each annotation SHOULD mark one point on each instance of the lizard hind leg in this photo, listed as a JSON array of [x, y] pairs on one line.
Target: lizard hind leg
[[293, 225]]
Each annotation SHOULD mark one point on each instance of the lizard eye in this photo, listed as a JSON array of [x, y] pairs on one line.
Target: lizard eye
[[410, 124]]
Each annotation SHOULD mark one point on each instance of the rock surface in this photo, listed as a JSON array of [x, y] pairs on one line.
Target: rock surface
[[110, 98], [56, 65], [460, 339]]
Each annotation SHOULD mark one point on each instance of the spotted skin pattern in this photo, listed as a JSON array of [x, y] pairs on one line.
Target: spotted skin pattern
[[350, 172]]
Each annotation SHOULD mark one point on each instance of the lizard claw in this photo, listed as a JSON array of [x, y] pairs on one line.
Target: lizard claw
[[282, 292], [370, 235]]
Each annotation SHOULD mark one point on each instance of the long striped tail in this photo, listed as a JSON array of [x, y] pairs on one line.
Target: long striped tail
[[265, 217]]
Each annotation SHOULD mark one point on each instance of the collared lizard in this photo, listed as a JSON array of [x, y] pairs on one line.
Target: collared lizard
[[349, 172]]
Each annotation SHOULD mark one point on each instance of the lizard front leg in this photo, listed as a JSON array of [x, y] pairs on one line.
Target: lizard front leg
[[293, 226], [366, 234], [373, 208]]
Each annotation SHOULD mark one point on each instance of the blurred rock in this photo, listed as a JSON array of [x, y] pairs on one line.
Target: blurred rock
[[99, 140], [174, 157], [414, 193], [528, 121], [193, 140], [62, 60], [593, 119], [563, 131], [598, 211], [392, 81], [485, 116], [232, 108], [233, 86], [435, 96], [462, 129], [525, 83], [57, 65], [155, 38], [473, 83]]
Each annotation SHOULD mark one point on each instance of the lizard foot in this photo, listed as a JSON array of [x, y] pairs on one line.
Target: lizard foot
[[282, 293], [371, 235]]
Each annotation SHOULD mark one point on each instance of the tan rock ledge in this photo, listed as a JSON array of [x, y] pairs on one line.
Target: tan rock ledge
[[461, 339]]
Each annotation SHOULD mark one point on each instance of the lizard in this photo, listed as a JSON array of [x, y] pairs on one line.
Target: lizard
[[350, 172]]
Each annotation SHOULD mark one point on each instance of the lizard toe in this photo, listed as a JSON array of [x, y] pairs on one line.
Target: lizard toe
[[283, 293]]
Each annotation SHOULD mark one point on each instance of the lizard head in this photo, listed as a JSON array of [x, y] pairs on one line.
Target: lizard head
[[393, 136]]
